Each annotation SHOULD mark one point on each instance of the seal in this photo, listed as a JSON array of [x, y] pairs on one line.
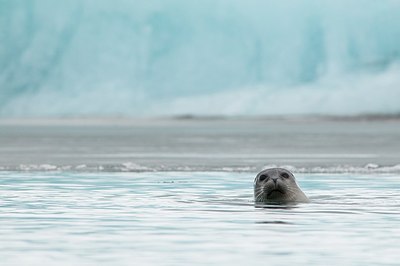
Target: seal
[[277, 185]]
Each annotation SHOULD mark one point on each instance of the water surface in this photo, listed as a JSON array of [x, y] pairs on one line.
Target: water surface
[[195, 218]]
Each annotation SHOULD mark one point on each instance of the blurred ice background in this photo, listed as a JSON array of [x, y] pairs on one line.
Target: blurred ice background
[[209, 57]]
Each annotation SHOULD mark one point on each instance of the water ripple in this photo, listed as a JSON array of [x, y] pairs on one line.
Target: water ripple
[[170, 218]]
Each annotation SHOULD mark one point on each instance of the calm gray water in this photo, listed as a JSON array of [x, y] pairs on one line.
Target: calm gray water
[[195, 218], [198, 144]]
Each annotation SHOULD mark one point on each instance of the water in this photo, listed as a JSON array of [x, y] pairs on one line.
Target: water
[[196, 218], [180, 191], [224, 57], [305, 144]]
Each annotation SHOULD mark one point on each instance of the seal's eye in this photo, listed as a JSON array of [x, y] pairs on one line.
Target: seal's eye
[[263, 177], [285, 175]]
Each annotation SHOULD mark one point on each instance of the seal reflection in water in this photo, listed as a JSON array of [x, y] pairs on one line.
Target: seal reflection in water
[[277, 185]]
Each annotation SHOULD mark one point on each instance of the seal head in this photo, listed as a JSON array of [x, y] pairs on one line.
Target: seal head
[[277, 185]]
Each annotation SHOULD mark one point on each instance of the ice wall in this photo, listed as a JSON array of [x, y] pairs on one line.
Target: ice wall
[[229, 57]]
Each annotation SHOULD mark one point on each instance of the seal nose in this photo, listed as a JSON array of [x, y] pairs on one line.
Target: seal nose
[[275, 179]]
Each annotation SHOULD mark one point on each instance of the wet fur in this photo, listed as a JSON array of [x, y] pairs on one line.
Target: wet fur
[[277, 185]]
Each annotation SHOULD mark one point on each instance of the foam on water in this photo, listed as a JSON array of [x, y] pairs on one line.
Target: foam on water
[[370, 168]]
